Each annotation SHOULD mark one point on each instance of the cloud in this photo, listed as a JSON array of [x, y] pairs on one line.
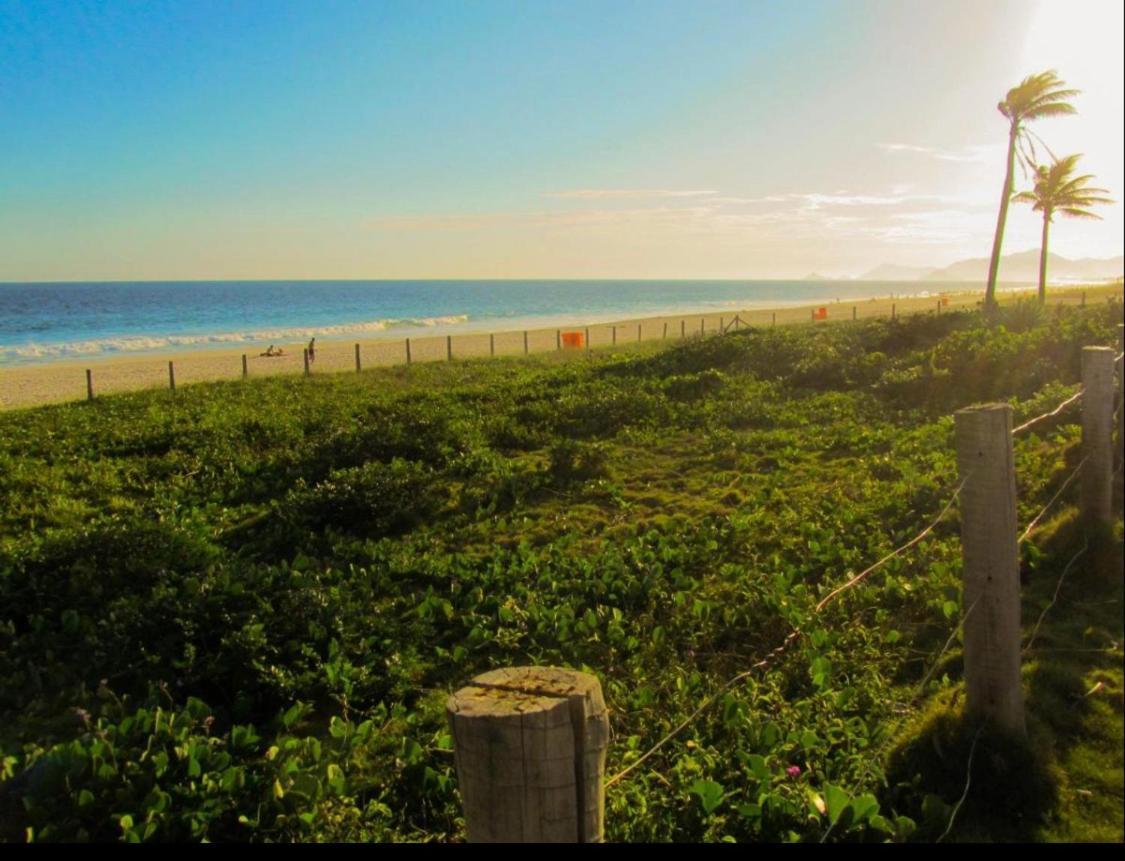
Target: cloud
[[971, 153], [604, 193]]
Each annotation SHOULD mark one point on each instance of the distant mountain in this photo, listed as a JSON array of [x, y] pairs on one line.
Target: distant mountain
[[890, 272], [1024, 266]]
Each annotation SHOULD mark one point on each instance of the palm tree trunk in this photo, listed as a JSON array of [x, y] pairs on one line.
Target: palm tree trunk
[[998, 240], [1043, 259]]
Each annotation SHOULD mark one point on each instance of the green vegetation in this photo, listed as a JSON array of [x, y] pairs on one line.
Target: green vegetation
[[234, 612]]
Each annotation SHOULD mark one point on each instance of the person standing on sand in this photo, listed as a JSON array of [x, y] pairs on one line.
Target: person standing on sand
[[312, 350]]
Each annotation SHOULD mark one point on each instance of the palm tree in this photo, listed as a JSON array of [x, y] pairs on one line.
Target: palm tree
[[1037, 96], [1057, 189]]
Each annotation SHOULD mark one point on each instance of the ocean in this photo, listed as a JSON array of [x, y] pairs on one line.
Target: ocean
[[45, 322]]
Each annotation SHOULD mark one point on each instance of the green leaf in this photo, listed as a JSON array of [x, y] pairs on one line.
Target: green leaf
[[836, 800], [710, 794]]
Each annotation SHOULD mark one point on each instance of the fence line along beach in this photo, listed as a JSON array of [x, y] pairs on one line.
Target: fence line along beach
[[68, 380]]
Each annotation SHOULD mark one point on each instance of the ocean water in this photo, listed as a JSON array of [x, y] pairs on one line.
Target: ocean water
[[42, 322]]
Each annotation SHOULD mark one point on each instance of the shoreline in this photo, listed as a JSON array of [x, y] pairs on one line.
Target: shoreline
[[64, 380]]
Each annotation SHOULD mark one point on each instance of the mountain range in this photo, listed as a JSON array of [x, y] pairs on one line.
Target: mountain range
[[1021, 266]]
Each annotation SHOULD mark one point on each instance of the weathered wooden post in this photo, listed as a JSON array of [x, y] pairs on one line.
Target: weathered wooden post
[[853, 312], [492, 344], [702, 324], [892, 310], [1119, 454], [638, 332], [558, 339], [990, 564], [306, 361], [245, 367], [812, 314], [722, 330], [939, 307], [773, 319], [614, 336], [529, 745], [358, 365], [1097, 436], [408, 351], [449, 348], [587, 339], [1083, 298], [89, 385], [171, 376], [664, 337], [525, 342], [683, 329]]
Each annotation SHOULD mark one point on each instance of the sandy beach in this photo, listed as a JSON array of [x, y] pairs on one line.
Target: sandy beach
[[33, 385]]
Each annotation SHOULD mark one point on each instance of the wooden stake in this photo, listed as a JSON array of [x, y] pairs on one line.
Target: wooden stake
[[358, 366], [89, 385], [614, 336], [529, 746], [773, 319], [306, 361], [664, 337], [491, 345], [525, 342], [892, 311], [587, 339], [558, 339], [171, 377], [990, 564], [408, 351], [702, 323], [638, 331], [245, 367], [853, 312], [1097, 436], [683, 329], [449, 348]]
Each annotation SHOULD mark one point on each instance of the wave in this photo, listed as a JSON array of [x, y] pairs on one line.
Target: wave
[[152, 343]]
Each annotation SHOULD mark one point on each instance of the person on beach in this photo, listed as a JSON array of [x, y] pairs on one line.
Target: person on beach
[[312, 350], [269, 351]]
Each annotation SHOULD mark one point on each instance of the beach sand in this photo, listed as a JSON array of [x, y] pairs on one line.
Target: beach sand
[[26, 386]]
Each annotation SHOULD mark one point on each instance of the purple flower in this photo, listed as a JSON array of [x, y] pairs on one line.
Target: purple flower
[[793, 771]]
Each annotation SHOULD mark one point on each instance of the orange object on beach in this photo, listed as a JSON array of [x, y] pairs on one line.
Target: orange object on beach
[[573, 340], [821, 313]]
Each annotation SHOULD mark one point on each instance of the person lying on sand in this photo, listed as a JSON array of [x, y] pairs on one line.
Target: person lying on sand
[[270, 351]]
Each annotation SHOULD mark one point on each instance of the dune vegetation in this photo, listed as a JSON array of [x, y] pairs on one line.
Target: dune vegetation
[[235, 611]]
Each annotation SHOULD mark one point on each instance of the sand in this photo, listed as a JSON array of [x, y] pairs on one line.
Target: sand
[[27, 386]]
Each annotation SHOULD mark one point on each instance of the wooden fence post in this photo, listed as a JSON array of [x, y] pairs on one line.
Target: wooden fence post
[[491, 344], [1119, 454], [558, 339], [773, 319], [449, 348], [702, 325], [892, 310], [89, 385], [990, 557], [529, 745], [853, 312], [408, 351], [614, 336], [683, 329], [638, 331], [1097, 436], [587, 339], [525, 342], [1083, 298], [664, 337], [358, 366], [171, 376], [245, 367], [722, 330], [306, 361]]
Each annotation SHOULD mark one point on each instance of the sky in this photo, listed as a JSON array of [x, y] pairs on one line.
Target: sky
[[570, 139]]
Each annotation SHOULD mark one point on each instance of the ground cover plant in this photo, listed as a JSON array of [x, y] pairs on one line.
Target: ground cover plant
[[234, 612]]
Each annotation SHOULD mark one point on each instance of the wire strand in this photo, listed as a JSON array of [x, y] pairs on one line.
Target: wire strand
[[1035, 520], [1049, 415]]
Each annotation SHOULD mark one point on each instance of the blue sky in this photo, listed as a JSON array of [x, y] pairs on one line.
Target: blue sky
[[530, 139]]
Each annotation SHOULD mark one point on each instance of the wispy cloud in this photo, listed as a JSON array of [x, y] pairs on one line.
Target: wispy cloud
[[608, 193], [972, 153]]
